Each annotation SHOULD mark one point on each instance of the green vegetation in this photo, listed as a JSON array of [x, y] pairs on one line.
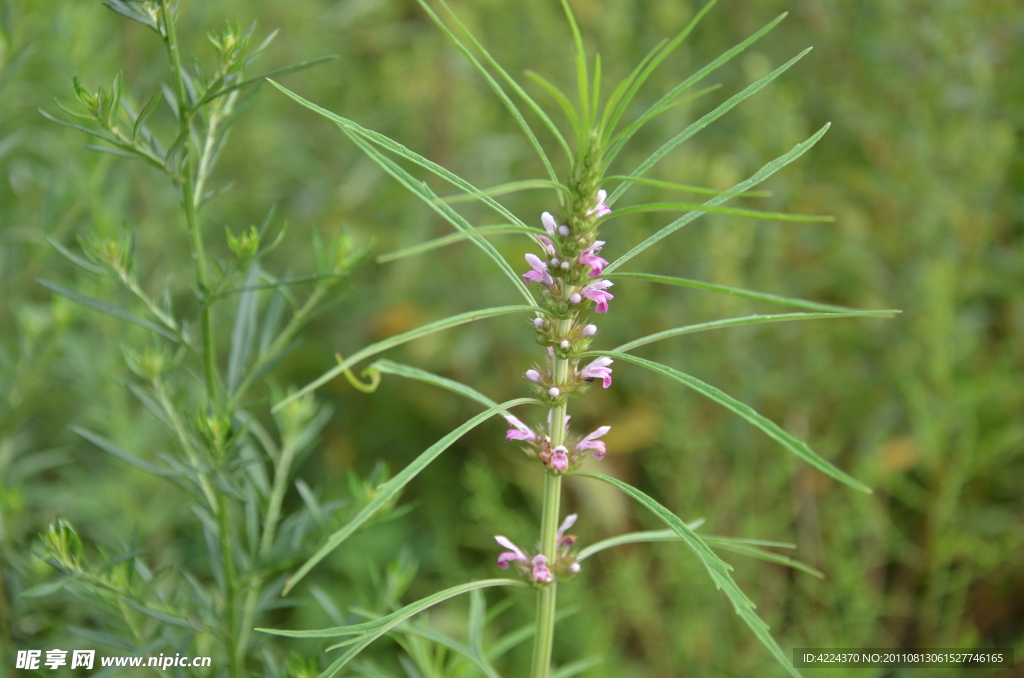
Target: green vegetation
[[921, 169]]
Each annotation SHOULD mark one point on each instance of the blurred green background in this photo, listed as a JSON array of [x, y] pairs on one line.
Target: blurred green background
[[921, 168]]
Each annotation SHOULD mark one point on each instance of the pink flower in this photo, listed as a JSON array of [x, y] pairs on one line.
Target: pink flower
[[549, 223], [548, 245], [588, 257], [514, 553], [591, 442], [540, 270], [560, 459], [569, 540], [601, 209], [599, 370], [521, 430], [541, 573], [596, 292]]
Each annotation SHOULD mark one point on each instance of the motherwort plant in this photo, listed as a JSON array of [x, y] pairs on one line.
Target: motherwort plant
[[197, 373], [567, 279]]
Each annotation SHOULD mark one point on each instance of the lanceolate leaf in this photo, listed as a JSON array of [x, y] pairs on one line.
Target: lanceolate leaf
[[797, 447], [716, 567], [109, 309], [500, 92], [762, 174], [399, 149], [746, 547], [737, 292], [390, 489], [735, 211], [424, 193], [634, 538], [682, 187], [400, 370], [371, 631], [748, 320], [693, 80], [620, 106], [453, 238], [511, 187], [397, 340]]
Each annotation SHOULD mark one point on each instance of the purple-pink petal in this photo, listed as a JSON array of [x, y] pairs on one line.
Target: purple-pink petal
[[599, 369], [560, 460], [540, 270]]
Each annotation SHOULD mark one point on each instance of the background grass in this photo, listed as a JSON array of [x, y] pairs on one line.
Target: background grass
[[922, 169]]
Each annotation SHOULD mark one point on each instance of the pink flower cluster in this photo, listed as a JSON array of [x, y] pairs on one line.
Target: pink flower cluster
[[538, 569]]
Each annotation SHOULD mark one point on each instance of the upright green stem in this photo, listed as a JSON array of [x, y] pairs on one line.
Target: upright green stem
[[189, 202], [546, 602], [230, 585]]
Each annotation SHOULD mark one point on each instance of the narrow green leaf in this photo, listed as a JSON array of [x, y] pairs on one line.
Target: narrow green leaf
[[582, 81], [563, 102], [84, 264], [683, 187], [520, 120], [243, 334], [381, 626], [616, 143], [399, 339], [146, 111], [504, 189], [109, 309], [160, 615], [716, 567], [620, 90], [424, 193], [400, 370], [391, 488], [47, 588], [576, 668], [697, 77], [759, 176], [641, 78], [453, 238], [762, 554], [399, 149], [115, 451], [266, 76], [737, 292], [427, 633], [794, 445], [747, 320], [634, 538], [735, 211]]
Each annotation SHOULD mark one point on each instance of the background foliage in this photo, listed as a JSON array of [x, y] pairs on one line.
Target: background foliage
[[921, 168]]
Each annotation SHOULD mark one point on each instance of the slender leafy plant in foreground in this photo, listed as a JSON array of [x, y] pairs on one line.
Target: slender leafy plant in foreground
[[570, 277], [236, 464]]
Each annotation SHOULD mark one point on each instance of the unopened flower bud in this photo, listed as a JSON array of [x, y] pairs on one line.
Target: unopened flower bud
[[589, 330], [563, 231], [574, 568], [538, 323], [554, 392], [554, 261], [565, 343], [565, 266], [533, 375], [575, 298]]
